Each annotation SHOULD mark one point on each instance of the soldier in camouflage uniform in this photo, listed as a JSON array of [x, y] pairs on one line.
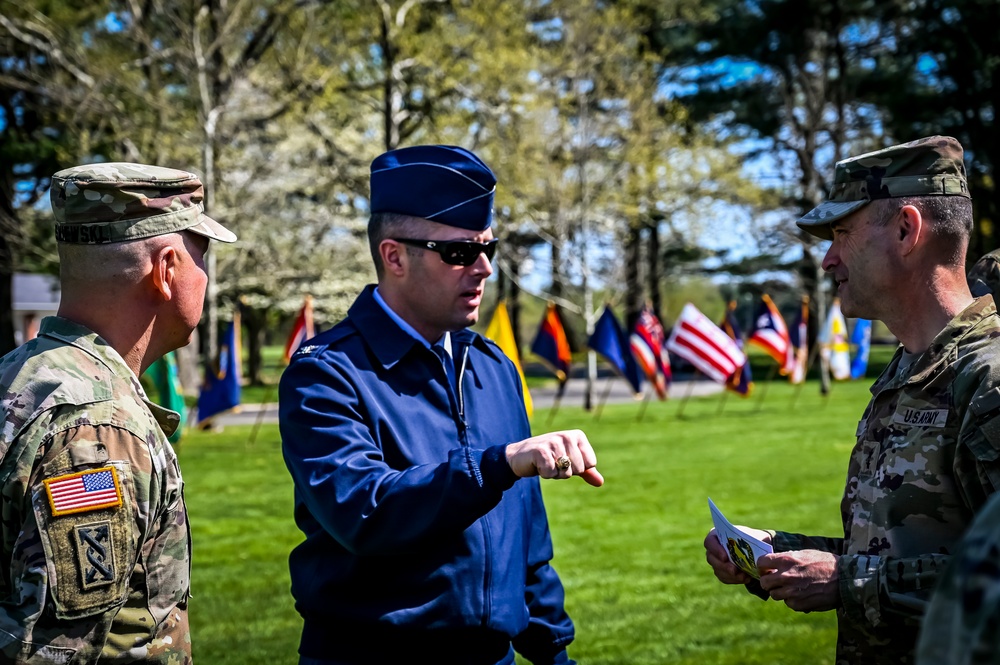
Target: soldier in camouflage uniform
[[926, 457], [94, 544], [962, 624], [984, 275]]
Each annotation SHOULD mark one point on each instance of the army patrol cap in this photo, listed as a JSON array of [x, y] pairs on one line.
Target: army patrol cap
[[97, 204], [931, 166]]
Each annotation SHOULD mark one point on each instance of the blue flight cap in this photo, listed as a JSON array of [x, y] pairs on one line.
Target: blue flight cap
[[442, 183]]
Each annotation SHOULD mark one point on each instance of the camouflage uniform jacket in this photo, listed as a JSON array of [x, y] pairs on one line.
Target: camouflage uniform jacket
[[94, 543], [984, 275], [925, 461], [962, 624]]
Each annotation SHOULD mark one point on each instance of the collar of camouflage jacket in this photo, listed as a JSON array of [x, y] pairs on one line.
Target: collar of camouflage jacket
[[942, 350], [70, 332]]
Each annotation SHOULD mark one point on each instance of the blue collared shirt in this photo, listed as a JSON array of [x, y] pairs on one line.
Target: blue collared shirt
[[445, 340]]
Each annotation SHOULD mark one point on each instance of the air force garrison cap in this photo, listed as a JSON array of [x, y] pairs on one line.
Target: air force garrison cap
[[442, 183], [97, 204], [931, 166]]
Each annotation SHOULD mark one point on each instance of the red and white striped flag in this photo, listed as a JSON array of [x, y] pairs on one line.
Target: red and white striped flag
[[302, 329], [83, 491], [646, 342], [705, 345]]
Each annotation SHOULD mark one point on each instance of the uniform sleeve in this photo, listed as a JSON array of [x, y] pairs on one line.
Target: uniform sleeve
[[550, 630], [783, 541], [881, 589], [71, 566], [342, 477]]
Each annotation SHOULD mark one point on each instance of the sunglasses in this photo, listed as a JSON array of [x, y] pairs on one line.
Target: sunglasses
[[455, 252]]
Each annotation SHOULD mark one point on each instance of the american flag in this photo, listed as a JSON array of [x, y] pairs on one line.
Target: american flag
[[705, 345], [83, 491], [646, 342]]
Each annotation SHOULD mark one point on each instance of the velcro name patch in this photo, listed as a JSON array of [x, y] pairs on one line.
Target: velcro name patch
[[84, 491], [921, 417]]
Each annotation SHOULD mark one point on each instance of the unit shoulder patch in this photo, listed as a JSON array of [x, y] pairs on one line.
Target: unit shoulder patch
[[95, 554]]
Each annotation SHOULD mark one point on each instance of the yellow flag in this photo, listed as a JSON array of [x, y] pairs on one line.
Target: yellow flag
[[501, 332]]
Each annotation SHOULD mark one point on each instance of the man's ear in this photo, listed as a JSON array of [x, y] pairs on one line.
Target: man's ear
[[909, 228], [392, 257], [164, 271]]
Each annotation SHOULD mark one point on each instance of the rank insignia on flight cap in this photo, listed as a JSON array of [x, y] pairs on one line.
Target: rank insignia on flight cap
[[84, 491]]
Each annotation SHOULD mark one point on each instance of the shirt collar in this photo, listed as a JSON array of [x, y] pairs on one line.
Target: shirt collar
[[941, 350], [445, 340], [388, 338]]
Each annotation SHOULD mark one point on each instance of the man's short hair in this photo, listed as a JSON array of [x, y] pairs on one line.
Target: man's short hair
[[385, 225], [949, 218], [123, 262]]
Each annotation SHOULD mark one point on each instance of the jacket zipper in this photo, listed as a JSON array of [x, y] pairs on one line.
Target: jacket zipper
[[487, 540]]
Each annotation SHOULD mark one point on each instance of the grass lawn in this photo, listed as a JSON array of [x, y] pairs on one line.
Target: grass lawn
[[630, 553]]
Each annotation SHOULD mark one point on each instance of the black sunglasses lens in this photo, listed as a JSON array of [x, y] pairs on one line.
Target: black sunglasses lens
[[465, 253]]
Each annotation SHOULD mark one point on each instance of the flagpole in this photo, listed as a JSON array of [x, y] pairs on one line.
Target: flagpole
[[687, 393], [260, 415], [813, 352], [722, 402], [770, 377], [604, 398], [645, 402], [556, 402]]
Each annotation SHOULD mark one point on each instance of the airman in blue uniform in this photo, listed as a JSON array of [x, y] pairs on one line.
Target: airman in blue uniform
[[416, 475]]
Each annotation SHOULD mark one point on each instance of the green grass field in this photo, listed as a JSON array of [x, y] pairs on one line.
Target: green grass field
[[630, 553]]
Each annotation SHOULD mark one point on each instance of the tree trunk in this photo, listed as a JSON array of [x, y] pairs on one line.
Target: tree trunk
[[8, 228], [514, 307], [653, 269], [633, 291], [253, 321], [389, 128], [557, 284]]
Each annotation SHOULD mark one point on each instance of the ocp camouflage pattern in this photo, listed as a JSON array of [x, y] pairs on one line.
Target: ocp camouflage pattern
[[984, 275], [926, 460], [111, 583], [113, 202], [962, 624], [926, 167]]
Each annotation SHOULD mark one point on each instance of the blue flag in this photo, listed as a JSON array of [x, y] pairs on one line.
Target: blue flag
[[609, 340], [221, 390], [861, 340]]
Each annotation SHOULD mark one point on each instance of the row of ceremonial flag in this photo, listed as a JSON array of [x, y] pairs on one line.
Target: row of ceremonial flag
[[640, 355], [714, 349]]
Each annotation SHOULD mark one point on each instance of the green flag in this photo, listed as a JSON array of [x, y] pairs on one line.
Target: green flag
[[163, 374]]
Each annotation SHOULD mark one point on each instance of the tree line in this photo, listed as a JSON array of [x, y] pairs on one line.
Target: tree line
[[619, 129]]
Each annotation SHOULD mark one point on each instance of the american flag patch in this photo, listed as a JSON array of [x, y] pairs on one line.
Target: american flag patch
[[84, 491]]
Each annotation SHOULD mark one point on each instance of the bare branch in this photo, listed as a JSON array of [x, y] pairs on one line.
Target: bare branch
[[49, 47]]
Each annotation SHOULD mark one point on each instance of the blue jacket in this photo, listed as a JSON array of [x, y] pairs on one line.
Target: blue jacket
[[418, 536]]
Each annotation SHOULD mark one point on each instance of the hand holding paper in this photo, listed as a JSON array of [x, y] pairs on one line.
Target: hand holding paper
[[741, 548]]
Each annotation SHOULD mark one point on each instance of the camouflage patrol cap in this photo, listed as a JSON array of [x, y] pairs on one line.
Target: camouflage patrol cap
[[102, 203], [931, 166]]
